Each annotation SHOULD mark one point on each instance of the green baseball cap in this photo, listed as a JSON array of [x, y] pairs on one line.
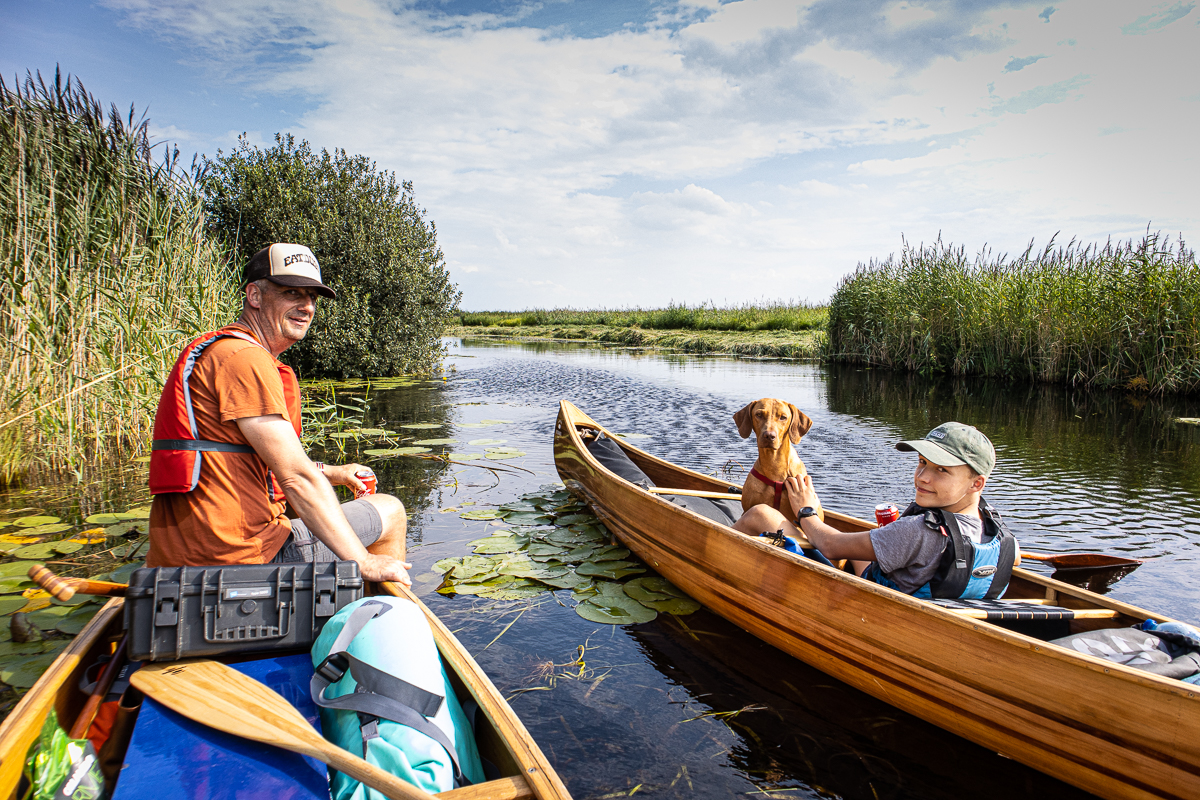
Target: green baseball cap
[[953, 444]]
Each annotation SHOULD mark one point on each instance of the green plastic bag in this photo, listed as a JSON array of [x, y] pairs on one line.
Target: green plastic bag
[[62, 768]]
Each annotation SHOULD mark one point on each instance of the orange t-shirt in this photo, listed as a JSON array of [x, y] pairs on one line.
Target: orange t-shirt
[[230, 517]]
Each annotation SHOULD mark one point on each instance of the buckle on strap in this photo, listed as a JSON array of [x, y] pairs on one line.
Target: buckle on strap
[[333, 667]]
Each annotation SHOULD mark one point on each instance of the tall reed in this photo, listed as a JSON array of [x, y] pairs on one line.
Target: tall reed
[[1122, 314], [107, 271], [772, 316]]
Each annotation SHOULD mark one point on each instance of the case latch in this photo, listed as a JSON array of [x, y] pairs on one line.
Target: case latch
[[166, 609], [326, 591]]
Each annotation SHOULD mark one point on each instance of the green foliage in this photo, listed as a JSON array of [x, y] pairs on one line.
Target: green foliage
[[1125, 314], [706, 316], [107, 272], [376, 250]]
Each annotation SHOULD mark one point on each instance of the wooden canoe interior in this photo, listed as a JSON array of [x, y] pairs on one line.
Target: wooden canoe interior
[[500, 736], [1097, 612]]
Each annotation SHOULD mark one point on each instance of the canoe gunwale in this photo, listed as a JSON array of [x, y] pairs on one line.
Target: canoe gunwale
[[1066, 735]]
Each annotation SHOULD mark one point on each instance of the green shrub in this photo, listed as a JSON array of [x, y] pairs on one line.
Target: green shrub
[[375, 247], [1125, 314]]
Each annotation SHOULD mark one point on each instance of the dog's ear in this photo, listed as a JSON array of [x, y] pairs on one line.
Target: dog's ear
[[800, 424], [744, 420]]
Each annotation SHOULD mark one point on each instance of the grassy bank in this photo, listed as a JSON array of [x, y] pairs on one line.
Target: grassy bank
[[1122, 315], [761, 344], [107, 270], [705, 317]]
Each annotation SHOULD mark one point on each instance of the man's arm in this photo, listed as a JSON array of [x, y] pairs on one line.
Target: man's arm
[[832, 543], [275, 442]]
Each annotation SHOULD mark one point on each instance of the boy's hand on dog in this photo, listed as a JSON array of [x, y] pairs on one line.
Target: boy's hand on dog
[[801, 492]]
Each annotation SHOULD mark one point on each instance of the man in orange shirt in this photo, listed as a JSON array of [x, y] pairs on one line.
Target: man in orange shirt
[[227, 458]]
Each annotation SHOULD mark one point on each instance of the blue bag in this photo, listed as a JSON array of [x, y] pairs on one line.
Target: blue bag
[[384, 695]]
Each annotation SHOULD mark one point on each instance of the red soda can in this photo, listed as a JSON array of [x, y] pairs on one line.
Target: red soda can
[[367, 476], [886, 513]]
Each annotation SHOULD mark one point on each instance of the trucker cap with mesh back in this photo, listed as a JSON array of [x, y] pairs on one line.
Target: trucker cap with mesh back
[[953, 444], [287, 265]]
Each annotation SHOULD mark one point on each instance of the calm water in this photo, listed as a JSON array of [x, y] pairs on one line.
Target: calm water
[[692, 706]]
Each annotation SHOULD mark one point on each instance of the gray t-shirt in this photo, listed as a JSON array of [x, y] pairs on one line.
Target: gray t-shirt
[[908, 552]]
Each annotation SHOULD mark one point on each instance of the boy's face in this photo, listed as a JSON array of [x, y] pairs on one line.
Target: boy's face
[[945, 487]]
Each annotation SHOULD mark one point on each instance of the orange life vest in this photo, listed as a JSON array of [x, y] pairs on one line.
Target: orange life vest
[[176, 450]]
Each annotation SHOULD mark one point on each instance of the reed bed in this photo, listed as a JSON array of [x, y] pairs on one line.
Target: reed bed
[[1125, 314], [107, 271], [791, 316]]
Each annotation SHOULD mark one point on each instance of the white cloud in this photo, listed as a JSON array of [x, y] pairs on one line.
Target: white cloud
[[682, 160]]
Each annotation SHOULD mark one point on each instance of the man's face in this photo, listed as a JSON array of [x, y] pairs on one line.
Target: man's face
[[286, 312], [944, 487]]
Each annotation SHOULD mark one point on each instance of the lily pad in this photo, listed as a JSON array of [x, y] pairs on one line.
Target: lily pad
[[9, 605], [67, 547], [564, 537], [423, 426], [141, 512], [679, 606], [18, 539], [127, 527], [94, 536], [343, 435], [72, 624], [39, 551], [136, 549], [486, 442], [496, 544], [370, 431], [483, 513], [396, 451], [544, 549], [638, 590], [501, 455], [14, 568], [436, 441], [102, 519], [613, 610], [46, 530], [24, 673], [613, 570], [495, 421], [570, 580], [460, 458], [33, 522], [611, 553], [15, 584], [657, 585], [576, 519], [527, 518]]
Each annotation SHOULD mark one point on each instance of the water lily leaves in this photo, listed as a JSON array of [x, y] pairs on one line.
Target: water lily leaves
[[93, 536], [679, 606], [343, 435], [422, 425], [396, 451], [9, 605], [15, 584], [46, 530], [24, 673], [483, 513], [544, 549], [126, 528], [461, 458], [74, 622], [38, 551], [135, 549], [610, 609], [33, 522], [613, 570], [141, 512], [500, 455], [589, 533], [496, 544], [576, 519], [570, 580], [436, 441], [102, 519], [14, 568], [486, 442], [527, 518], [495, 421], [15, 538], [640, 591], [610, 553]]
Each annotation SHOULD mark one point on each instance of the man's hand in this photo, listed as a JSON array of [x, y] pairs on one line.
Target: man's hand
[[801, 492], [378, 568], [343, 475]]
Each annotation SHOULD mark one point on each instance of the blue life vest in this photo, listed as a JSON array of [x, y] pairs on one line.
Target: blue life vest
[[968, 569]]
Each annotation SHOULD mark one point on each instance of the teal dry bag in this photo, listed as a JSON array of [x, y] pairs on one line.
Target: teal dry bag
[[384, 695]]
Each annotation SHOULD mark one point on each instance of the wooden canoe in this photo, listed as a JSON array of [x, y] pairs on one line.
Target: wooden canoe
[[1109, 729], [501, 736]]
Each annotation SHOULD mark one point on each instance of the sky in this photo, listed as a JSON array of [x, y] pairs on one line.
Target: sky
[[611, 153]]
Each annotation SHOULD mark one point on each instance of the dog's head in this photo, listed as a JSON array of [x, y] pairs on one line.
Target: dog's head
[[770, 419]]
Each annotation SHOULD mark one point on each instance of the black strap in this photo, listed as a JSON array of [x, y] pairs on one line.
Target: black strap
[[202, 445], [378, 694]]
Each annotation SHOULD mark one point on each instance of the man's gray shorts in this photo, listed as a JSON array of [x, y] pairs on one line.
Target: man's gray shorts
[[303, 547]]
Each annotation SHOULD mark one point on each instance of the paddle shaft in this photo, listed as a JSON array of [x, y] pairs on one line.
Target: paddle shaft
[[226, 700], [64, 589], [84, 721]]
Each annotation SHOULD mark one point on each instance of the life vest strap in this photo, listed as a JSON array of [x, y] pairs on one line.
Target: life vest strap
[[202, 445]]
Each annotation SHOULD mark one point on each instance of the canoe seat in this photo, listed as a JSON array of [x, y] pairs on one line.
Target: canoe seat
[[1005, 610]]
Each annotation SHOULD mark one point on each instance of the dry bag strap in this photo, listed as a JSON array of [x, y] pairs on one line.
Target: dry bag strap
[[378, 694], [202, 445]]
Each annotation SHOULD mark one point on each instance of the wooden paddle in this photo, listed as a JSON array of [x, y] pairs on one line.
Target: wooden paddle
[[222, 698], [1088, 561], [64, 589]]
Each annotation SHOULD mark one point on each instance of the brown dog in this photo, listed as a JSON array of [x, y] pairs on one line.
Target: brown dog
[[777, 426]]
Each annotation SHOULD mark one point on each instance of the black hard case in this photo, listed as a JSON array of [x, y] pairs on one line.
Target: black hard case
[[186, 612]]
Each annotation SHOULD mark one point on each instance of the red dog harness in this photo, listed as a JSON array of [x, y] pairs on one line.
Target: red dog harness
[[779, 486], [175, 456]]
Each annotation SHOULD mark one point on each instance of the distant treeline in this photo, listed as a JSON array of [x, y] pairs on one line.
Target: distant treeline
[[114, 257], [747, 317], [1119, 315]]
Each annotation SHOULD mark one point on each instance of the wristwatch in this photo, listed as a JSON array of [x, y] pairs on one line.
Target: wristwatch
[[807, 511]]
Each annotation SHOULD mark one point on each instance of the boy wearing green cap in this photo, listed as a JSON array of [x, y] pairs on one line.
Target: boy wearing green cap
[[949, 543]]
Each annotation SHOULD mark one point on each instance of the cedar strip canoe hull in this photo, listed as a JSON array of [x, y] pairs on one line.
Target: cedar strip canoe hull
[[1111, 730], [501, 736]]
